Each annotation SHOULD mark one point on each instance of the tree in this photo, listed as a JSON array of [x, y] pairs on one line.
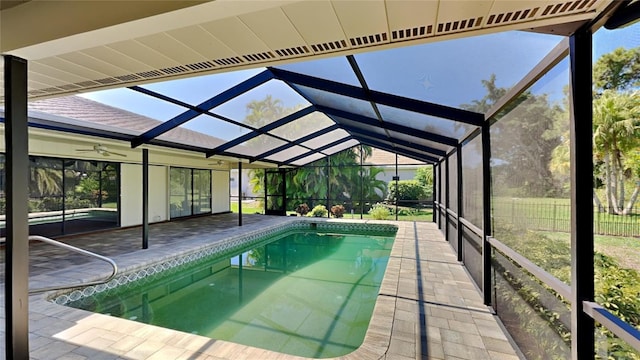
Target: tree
[[618, 70], [494, 93], [262, 112], [45, 181], [342, 181], [523, 140], [616, 120], [407, 192], [616, 124], [424, 175]]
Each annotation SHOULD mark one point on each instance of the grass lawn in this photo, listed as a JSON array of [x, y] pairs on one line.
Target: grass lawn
[[626, 250], [552, 214], [252, 208]]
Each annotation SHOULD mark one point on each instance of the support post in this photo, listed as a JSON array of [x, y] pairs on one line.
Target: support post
[[397, 177], [329, 185], [446, 198], [459, 204], [240, 192], [582, 269], [283, 177], [486, 213], [433, 193], [361, 184], [145, 198], [64, 201], [439, 189], [240, 285], [17, 218]]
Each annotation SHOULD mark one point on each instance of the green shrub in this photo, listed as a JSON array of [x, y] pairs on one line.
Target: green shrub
[[35, 205], [617, 289], [408, 212], [77, 203], [51, 203], [318, 211], [408, 191], [337, 211], [379, 212]]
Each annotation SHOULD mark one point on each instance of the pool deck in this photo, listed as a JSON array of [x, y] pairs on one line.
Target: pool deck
[[427, 308]]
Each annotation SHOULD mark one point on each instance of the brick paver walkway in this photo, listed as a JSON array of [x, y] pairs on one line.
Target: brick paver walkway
[[427, 307]]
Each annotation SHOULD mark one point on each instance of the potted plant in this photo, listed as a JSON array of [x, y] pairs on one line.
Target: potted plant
[[337, 211], [302, 209], [319, 211]]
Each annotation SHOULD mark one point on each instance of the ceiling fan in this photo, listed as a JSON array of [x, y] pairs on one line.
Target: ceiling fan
[[102, 150]]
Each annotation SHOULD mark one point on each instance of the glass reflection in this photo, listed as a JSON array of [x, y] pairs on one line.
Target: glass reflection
[[303, 126], [426, 123], [257, 145], [326, 139], [455, 75], [69, 196], [530, 182], [339, 102], [263, 105], [204, 131]]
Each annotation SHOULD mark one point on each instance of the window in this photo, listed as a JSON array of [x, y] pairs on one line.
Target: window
[[190, 192], [68, 196]]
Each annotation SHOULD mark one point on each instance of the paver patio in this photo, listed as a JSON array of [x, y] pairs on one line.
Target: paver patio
[[427, 307]]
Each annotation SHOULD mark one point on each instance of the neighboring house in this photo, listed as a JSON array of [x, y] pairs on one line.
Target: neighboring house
[[407, 167]]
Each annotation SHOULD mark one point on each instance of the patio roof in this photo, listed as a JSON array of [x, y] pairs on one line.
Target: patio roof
[[394, 100], [392, 79]]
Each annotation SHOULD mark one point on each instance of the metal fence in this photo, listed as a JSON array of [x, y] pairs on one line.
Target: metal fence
[[555, 215]]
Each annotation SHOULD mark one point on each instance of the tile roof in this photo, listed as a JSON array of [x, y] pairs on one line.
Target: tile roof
[[85, 110], [79, 108]]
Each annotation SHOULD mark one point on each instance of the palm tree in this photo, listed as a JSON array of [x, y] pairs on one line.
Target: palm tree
[[616, 124], [45, 181], [374, 188], [262, 112]]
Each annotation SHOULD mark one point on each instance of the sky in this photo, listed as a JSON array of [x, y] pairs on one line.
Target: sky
[[447, 72]]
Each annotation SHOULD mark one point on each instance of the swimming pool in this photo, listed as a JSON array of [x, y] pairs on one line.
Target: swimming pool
[[303, 293]]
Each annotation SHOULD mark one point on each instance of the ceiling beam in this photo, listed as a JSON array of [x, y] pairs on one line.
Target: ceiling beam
[[387, 126], [418, 106], [263, 130], [370, 134], [319, 150], [207, 105], [298, 142], [407, 153]]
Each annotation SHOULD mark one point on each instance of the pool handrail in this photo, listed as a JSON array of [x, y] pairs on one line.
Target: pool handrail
[[80, 251]]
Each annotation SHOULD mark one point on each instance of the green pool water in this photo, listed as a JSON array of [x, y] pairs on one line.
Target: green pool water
[[307, 293]]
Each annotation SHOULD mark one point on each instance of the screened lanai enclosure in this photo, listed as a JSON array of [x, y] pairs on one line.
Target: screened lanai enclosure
[[527, 137]]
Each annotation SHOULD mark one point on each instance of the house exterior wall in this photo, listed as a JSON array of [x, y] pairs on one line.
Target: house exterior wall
[[131, 194], [64, 145], [158, 193], [220, 191], [405, 173]]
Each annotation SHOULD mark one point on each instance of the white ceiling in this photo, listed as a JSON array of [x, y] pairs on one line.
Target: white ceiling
[[125, 43]]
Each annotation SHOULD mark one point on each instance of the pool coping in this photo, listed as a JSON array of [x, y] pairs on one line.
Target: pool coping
[[374, 345]]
